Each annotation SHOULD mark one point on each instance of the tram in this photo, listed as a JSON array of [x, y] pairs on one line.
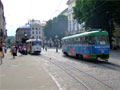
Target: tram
[[34, 46], [88, 45]]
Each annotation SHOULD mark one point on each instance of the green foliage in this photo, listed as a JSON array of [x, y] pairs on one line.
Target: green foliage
[[98, 14], [89, 11], [57, 26]]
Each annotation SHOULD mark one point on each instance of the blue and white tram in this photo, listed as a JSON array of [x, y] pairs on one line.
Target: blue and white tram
[[88, 45], [34, 46]]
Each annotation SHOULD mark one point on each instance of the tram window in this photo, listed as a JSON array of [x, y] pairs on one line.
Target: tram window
[[92, 40], [85, 40], [65, 42], [103, 39], [68, 42], [71, 41], [36, 43], [62, 42], [74, 41], [81, 40], [78, 41]]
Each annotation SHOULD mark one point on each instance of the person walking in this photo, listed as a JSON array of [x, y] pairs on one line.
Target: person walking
[[21, 50], [14, 52], [5, 49], [46, 44], [1, 54]]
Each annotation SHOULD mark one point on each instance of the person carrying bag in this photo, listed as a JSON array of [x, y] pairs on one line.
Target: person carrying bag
[[1, 54]]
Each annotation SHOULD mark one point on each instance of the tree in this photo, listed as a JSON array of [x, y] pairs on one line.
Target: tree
[[57, 26], [98, 14]]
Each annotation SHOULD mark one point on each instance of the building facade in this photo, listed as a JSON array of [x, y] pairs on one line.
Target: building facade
[[3, 31], [33, 30], [22, 33], [64, 12], [73, 26], [36, 29]]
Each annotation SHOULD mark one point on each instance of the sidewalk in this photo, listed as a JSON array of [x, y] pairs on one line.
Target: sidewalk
[[24, 73]]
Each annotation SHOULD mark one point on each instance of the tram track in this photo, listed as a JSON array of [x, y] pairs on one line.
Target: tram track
[[111, 66], [86, 87], [63, 66], [108, 64]]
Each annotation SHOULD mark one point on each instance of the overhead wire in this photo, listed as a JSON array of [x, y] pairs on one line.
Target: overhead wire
[[56, 9]]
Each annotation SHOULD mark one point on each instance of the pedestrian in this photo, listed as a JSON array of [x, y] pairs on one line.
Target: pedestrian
[[56, 46], [20, 50], [14, 52], [46, 46], [1, 54], [5, 49], [43, 46]]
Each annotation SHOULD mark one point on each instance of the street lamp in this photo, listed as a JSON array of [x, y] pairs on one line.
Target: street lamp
[[56, 42]]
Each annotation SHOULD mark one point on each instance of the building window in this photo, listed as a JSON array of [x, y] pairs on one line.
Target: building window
[[36, 28], [39, 37], [39, 32], [33, 37], [33, 32], [32, 28], [25, 33], [36, 32]]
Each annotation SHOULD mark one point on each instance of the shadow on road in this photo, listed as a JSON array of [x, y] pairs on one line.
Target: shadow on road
[[91, 62]]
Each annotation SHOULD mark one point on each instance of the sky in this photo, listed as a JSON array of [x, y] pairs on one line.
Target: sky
[[18, 12]]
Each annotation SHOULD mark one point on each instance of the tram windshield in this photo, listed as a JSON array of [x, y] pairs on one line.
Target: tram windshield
[[103, 39], [36, 43], [92, 40]]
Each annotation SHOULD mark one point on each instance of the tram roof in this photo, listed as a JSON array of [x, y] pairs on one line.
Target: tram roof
[[91, 33], [30, 40]]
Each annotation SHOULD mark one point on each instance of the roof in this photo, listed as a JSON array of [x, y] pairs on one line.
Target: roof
[[92, 33], [33, 40], [64, 11], [24, 27], [70, 1]]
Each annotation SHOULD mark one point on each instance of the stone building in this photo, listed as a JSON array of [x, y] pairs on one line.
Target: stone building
[[36, 29], [64, 12], [22, 33], [73, 26], [3, 31], [33, 30]]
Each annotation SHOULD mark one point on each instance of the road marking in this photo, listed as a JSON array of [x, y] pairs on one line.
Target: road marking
[[2, 75], [53, 78], [14, 65]]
